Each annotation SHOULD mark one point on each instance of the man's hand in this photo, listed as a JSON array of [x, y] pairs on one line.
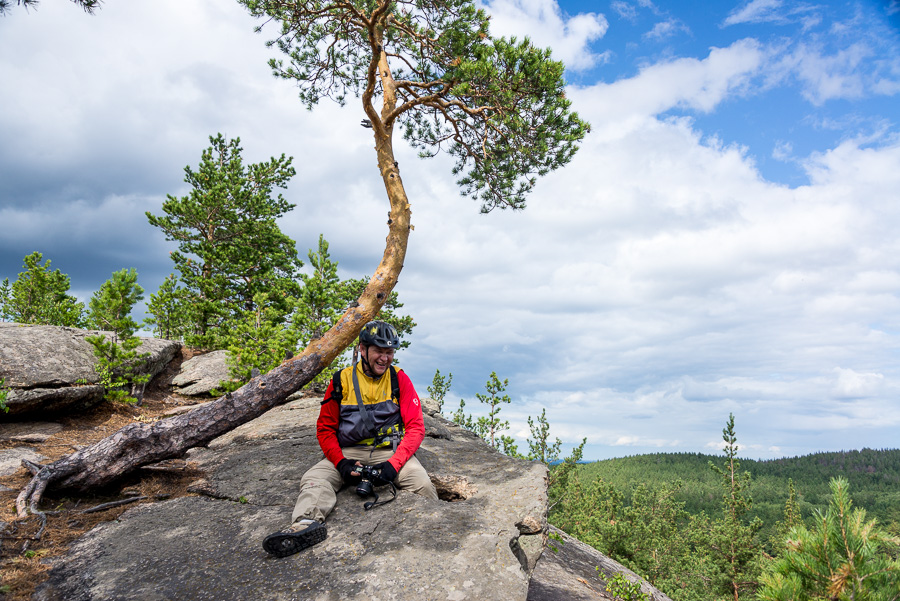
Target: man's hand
[[388, 473], [347, 469]]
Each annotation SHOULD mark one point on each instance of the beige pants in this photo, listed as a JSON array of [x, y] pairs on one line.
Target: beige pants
[[320, 483]]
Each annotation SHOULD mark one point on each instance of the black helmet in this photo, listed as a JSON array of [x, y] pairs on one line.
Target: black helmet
[[380, 334]]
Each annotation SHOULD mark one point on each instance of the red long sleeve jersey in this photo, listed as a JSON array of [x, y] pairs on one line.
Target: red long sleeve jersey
[[410, 413]]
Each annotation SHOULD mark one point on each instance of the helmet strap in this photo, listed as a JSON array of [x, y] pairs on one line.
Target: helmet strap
[[367, 367]]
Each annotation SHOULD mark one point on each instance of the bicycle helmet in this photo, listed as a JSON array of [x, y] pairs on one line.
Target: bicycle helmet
[[380, 334]]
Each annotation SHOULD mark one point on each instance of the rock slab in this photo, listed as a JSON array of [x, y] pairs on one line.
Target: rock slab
[[482, 547], [50, 369], [570, 570], [201, 374]]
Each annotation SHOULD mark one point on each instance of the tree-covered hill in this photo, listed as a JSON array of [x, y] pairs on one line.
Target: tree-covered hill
[[873, 474]]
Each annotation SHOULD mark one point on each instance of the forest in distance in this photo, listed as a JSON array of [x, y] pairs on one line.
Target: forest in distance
[[873, 475], [711, 527]]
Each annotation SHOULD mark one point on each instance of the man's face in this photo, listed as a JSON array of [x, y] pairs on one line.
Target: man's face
[[379, 359]]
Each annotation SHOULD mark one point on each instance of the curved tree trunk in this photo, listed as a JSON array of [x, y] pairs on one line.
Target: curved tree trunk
[[140, 444]]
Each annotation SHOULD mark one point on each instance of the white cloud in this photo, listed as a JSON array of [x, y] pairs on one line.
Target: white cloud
[[570, 37], [829, 77], [624, 9], [666, 29], [853, 385], [755, 11], [687, 82], [775, 11]]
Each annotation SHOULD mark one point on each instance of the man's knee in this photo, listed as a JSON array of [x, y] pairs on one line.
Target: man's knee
[[414, 478], [321, 474]]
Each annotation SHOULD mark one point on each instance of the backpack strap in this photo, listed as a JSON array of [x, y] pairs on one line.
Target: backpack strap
[[337, 391], [395, 385]]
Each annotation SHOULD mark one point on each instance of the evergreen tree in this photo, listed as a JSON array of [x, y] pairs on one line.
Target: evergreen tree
[[89, 6], [791, 517], [169, 310], [732, 542], [389, 311], [463, 420], [541, 449], [323, 297], [110, 307], [118, 362], [230, 247], [539, 446], [842, 557], [259, 339], [262, 337], [492, 425], [439, 387], [39, 296]]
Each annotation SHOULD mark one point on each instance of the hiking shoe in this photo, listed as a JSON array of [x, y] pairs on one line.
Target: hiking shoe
[[296, 537]]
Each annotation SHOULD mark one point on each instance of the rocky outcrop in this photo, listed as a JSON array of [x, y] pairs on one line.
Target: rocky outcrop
[[50, 369], [481, 546], [481, 542], [202, 374], [570, 570]]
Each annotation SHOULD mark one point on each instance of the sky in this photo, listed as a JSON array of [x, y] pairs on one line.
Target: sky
[[724, 242]]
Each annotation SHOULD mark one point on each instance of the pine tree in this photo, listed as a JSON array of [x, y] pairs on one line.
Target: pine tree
[[539, 446], [541, 449], [89, 6], [323, 297], [230, 247], [118, 362], [39, 296], [791, 517], [439, 388], [259, 339], [733, 544], [278, 323], [842, 557], [427, 67], [111, 306], [492, 425], [170, 308]]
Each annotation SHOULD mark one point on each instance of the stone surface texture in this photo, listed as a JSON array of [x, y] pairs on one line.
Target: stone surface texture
[[209, 546], [567, 571], [11, 459], [28, 431], [50, 369], [201, 374]]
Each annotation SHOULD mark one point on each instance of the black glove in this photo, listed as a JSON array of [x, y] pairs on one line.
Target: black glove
[[388, 473], [345, 466]]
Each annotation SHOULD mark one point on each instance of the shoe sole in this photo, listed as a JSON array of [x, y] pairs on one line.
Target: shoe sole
[[282, 544]]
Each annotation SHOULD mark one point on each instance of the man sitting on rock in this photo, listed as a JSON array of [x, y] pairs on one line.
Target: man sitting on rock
[[371, 415]]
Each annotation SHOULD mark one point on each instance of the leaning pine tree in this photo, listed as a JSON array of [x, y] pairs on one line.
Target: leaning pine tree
[[427, 67]]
